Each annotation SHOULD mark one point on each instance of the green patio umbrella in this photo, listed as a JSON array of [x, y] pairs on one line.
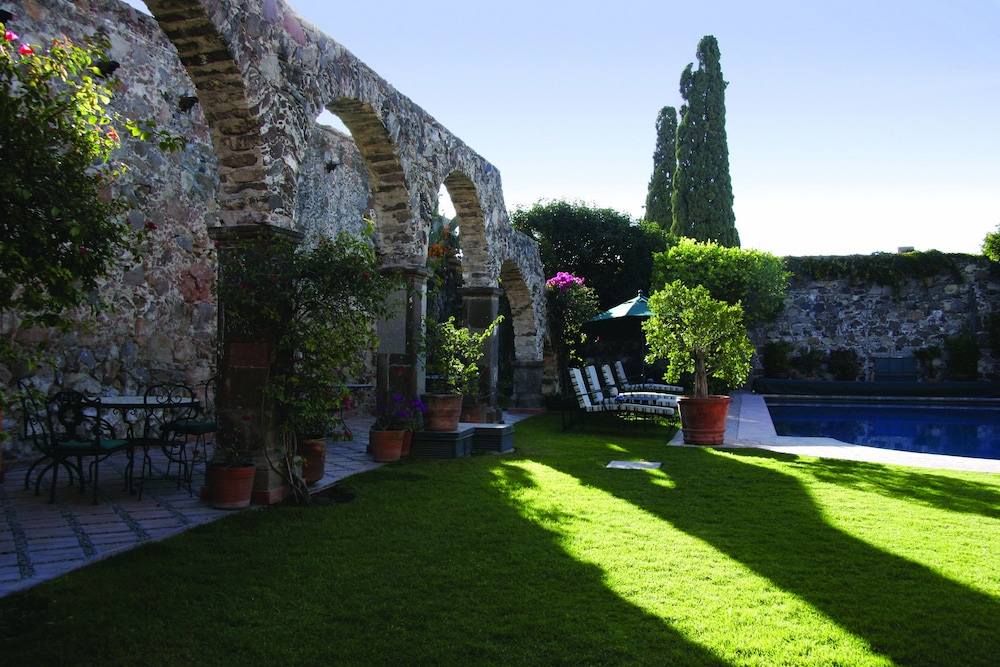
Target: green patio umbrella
[[623, 322]]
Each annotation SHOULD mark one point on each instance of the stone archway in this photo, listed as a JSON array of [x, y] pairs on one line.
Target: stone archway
[[262, 74]]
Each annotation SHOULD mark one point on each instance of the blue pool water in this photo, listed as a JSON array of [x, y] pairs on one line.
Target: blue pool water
[[930, 428]]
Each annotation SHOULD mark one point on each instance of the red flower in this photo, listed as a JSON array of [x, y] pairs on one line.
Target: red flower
[[10, 36], [150, 225], [83, 251], [26, 50]]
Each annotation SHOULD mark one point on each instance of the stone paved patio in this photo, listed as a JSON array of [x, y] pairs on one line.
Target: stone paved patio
[[39, 541]]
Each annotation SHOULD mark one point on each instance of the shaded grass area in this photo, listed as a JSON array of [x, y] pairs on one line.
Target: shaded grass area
[[734, 557]]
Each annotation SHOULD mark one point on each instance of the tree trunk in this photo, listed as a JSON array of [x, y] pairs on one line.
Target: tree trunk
[[700, 377]]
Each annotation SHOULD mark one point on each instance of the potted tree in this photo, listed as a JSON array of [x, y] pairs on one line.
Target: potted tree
[[693, 332], [319, 300], [451, 354]]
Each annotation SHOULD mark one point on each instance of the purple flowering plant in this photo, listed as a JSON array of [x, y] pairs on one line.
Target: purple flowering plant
[[395, 412], [570, 304], [563, 281]]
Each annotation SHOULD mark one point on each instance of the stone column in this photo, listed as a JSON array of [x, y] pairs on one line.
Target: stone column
[[246, 360], [527, 395], [480, 306], [399, 370]]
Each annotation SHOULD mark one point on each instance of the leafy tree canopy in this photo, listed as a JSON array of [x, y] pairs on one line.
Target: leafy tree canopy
[[703, 190], [610, 250], [755, 278], [991, 245], [661, 184]]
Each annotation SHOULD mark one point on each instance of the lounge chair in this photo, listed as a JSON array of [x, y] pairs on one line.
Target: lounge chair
[[611, 386], [612, 405], [624, 384], [609, 392]]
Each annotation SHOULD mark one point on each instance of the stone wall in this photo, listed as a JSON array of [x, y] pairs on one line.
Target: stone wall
[[879, 321], [159, 320]]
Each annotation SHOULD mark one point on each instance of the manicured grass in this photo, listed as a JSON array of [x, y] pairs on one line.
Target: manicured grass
[[546, 557]]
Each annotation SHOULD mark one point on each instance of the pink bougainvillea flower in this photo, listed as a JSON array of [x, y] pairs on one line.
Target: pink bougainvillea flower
[[10, 36], [26, 50]]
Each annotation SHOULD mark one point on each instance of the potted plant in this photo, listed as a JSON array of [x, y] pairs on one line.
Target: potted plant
[[693, 332], [230, 475], [395, 418], [452, 354], [317, 302]]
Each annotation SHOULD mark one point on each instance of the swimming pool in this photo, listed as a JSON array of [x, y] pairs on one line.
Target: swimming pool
[[956, 429]]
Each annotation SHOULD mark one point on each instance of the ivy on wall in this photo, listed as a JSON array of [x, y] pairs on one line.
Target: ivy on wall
[[887, 269]]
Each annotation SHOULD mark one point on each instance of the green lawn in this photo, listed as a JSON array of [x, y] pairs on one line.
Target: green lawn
[[734, 557]]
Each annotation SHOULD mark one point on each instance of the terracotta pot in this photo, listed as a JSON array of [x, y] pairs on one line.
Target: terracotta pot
[[229, 487], [313, 453], [386, 446], [703, 420], [443, 411], [407, 441]]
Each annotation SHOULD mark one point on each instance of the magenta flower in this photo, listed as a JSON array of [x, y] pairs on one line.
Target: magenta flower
[[563, 281], [26, 50], [10, 36]]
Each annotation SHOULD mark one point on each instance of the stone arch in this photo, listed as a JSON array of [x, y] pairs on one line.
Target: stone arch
[[262, 75], [390, 195], [250, 127], [469, 209]]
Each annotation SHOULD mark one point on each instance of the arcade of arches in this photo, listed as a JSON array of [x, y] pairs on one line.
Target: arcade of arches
[[244, 81]]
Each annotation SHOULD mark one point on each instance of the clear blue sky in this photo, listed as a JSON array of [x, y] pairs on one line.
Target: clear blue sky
[[854, 126]]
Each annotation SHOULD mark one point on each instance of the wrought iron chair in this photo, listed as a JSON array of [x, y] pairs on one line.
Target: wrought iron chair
[[200, 425], [76, 430], [166, 407], [35, 430]]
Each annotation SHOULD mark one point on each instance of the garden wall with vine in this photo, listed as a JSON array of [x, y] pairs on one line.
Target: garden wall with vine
[[844, 316]]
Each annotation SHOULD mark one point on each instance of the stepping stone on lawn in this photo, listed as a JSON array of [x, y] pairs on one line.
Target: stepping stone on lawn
[[634, 465]]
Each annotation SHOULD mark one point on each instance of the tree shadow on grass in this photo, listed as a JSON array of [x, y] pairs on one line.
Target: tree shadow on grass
[[440, 570], [923, 486], [913, 615]]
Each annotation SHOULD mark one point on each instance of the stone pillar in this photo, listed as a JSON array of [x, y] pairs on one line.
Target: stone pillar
[[398, 367], [480, 306], [527, 395], [246, 360]]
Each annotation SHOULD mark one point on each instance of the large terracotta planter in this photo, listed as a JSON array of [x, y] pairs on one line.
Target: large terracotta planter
[[443, 411], [313, 453], [229, 487], [703, 420], [386, 446]]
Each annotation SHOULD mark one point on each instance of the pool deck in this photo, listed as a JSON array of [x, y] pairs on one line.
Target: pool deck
[[750, 426]]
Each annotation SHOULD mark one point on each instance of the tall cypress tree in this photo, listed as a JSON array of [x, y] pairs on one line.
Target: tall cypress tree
[[658, 207], [703, 191]]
